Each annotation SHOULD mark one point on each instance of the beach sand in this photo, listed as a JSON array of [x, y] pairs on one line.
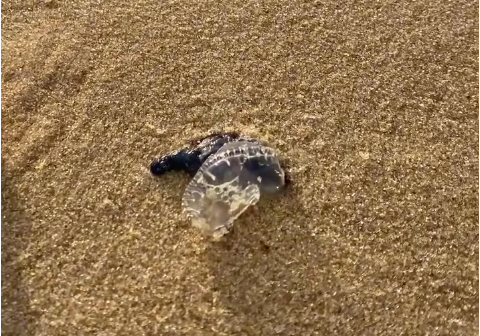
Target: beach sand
[[374, 104]]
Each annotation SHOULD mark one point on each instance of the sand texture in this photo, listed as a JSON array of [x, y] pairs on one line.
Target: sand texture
[[374, 104]]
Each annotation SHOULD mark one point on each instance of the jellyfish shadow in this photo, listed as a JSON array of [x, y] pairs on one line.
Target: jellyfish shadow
[[268, 273], [17, 316]]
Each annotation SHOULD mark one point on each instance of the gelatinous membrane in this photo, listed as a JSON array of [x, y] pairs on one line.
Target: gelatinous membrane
[[228, 183]]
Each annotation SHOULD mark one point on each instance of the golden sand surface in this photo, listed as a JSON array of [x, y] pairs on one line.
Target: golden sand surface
[[373, 103]]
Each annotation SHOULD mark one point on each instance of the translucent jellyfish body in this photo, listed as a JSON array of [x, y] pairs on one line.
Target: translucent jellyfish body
[[230, 181]]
